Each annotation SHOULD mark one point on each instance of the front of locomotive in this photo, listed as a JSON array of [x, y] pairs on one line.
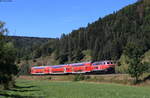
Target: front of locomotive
[[106, 66], [110, 66]]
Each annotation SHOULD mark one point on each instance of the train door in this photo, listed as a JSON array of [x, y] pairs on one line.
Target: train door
[[69, 69]]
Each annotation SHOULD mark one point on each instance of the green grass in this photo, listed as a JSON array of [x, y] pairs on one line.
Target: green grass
[[47, 89]]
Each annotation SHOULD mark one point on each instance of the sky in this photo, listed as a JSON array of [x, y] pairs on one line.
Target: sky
[[51, 18]]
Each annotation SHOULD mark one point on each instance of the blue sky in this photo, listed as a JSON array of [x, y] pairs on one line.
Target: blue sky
[[51, 18]]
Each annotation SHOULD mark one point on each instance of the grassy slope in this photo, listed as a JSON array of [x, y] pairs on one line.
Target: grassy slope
[[47, 89]]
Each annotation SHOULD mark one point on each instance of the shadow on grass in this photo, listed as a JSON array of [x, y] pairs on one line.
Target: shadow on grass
[[19, 89], [16, 90], [146, 78], [142, 80], [19, 96]]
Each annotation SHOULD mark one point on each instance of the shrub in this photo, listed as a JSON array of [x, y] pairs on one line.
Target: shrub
[[80, 77], [50, 78], [122, 64]]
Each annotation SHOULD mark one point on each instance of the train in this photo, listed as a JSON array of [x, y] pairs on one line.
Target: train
[[106, 66]]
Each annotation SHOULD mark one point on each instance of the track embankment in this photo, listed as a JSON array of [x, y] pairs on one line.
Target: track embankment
[[102, 78], [113, 78]]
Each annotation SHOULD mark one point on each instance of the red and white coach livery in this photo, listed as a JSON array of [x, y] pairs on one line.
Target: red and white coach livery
[[84, 67], [81, 67], [40, 70]]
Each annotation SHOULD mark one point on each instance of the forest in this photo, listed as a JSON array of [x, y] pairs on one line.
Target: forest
[[31, 47], [104, 39]]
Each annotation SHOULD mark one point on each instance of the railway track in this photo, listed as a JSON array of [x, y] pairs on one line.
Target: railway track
[[82, 74]]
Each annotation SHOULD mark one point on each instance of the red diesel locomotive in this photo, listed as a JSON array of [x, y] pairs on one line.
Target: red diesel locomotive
[[84, 67]]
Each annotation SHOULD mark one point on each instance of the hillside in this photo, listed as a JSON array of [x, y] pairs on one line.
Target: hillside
[[103, 39], [107, 37], [30, 47]]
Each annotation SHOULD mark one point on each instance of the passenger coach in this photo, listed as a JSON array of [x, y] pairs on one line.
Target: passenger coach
[[84, 67]]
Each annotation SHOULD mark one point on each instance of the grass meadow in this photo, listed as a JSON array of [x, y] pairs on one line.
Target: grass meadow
[[48, 89]]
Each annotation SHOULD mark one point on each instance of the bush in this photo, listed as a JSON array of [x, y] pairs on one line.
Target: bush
[[49, 78], [80, 77], [122, 65]]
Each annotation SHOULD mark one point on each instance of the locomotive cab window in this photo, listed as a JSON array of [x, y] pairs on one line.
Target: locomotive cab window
[[108, 62]]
